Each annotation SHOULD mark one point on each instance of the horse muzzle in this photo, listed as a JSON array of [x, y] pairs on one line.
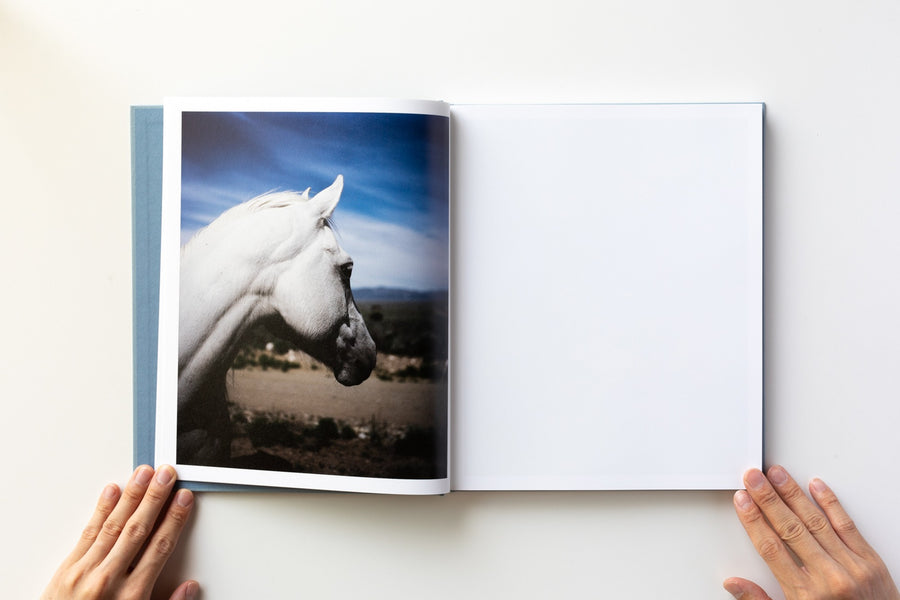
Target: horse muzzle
[[355, 353]]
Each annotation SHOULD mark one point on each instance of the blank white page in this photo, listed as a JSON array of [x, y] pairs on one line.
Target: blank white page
[[607, 296]]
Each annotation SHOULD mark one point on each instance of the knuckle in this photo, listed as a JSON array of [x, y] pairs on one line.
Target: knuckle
[[96, 585], [866, 572], [791, 530], [845, 526], [178, 516], [164, 546], [769, 549], [792, 494], [133, 494], [828, 500], [817, 523], [157, 495], [89, 534], [112, 528], [132, 592], [768, 498], [841, 586], [71, 579], [137, 531], [752, 517]]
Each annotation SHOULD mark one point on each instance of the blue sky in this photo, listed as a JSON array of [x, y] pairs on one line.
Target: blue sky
[[393, 213]]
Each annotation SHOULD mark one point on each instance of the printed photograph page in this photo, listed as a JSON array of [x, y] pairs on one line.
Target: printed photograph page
[[607, 296], [304, 294]]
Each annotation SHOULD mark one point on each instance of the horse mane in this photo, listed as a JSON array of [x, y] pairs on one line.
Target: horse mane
[[278, 199], [274, 199], [271, 200]]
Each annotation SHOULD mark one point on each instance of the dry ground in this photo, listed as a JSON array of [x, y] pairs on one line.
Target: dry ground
[[379, 428], [304, 392]]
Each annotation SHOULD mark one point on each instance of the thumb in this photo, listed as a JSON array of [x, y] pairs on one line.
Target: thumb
[[743, 589], [189, 590]]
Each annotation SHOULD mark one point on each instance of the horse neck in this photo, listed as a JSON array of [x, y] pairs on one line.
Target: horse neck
[[218, 307], [227, 272]]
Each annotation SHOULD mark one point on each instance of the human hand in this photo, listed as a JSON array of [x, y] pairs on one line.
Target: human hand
[[126, 543], [783, 523]]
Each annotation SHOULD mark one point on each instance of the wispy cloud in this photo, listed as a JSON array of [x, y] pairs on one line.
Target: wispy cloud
[[389, 254]]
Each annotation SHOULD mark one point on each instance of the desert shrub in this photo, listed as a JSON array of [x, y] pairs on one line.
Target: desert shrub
[[409, 328], [259, 336], [266, 361], [264, 431], [378, 432], [327, 429], [243, 360], [408, 371], [321, 435], [428, 370], [281, 346]]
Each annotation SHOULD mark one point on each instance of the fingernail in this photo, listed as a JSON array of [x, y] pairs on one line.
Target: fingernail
[[191, 590], [778, 476], [733, 589], [164, 475], [143, 476], [742, 500], [755, 479], [110, 491], [818, 486], [184, 498]]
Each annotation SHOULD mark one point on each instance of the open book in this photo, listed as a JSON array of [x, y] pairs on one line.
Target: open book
[[415, 297]]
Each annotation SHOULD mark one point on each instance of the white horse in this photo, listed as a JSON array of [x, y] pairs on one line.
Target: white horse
[[275, 260]]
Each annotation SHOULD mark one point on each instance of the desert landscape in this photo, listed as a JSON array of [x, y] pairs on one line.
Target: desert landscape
[[288, 412]]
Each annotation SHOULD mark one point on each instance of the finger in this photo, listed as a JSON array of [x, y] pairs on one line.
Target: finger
[[743, 589], [813, 518], [186, 591], [141, 523], [164, 539], [783, 520], [114, 524], [105, 506], [767, 542], [840, 521]]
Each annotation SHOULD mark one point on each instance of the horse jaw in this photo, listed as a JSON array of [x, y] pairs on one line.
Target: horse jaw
[[349, 350]]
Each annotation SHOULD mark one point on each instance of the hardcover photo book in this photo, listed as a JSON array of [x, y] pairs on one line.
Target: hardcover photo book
[[416, 297]]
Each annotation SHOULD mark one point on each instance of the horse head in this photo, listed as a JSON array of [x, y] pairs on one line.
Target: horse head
[[311, 298], [272, 259]]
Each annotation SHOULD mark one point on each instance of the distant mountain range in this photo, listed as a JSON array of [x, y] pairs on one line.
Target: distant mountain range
[[388, 294]]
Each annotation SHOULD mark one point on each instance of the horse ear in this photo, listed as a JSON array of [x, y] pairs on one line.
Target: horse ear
[[325, 201], [305, 194]]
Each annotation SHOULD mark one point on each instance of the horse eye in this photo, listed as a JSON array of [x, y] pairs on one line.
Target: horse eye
[[346, 270]]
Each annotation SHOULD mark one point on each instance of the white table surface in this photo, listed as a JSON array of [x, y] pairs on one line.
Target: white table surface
[[828, 73]]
